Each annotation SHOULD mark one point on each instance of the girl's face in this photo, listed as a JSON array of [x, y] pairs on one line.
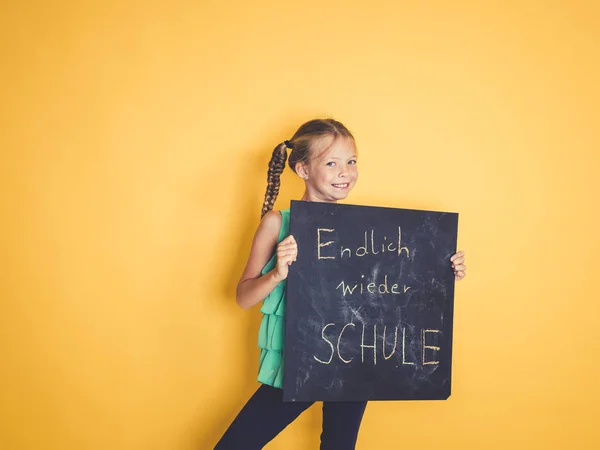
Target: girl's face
[[331, 175]]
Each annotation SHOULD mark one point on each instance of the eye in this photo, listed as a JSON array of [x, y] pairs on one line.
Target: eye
[[331, 163], [352, 161]]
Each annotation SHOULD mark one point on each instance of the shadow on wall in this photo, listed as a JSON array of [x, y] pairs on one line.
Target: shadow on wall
[[246, 210]]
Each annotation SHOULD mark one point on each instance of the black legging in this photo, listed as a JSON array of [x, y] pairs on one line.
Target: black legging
[[265, 415]]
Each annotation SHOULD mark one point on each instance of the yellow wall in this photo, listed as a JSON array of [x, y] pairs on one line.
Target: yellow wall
[[135, 139]]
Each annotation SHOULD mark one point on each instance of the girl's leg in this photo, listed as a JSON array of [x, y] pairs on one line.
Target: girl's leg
[[260, 420], [341, 421]]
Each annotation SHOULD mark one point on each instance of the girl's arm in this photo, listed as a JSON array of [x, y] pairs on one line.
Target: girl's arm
[[252, 287]]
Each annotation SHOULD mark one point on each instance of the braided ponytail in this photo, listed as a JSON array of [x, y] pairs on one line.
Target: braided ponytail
[[276, 166]]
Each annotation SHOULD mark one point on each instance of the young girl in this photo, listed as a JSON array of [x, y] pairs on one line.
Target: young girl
[[323, 154]]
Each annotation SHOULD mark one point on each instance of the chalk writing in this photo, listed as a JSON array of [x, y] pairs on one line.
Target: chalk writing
[[372, 288], [363, 345], [369, 247]]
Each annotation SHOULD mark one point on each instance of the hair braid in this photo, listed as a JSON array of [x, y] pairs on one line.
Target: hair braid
[[276, 166]]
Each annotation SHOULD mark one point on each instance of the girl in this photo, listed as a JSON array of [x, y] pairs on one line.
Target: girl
[[323, 154]]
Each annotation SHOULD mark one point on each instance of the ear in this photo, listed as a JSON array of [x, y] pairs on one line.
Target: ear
[[301, 170]]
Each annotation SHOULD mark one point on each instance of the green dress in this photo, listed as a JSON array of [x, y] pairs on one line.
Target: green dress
[[272, 328]]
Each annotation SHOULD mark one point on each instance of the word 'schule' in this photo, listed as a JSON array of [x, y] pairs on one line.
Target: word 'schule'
[[401, 350]]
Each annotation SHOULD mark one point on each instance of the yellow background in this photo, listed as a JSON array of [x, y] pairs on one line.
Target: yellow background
[[135, 138]]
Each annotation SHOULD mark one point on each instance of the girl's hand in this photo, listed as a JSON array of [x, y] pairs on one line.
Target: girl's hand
[[458, 265], [287, 252]]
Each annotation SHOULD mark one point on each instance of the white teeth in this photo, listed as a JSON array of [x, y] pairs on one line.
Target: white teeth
[[341, 185]]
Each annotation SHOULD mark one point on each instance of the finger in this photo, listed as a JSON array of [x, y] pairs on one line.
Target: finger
[[457, 255], [287, 240], [458, 260], [283, 264], [287, 244], [285, 248], [290, 238], [459, 268], [288, 261], [281, 251], [285, 258]]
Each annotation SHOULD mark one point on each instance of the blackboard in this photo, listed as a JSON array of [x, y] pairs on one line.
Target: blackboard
[[363, 275]]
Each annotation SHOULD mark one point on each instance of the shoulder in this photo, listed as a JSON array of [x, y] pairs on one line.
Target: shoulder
[[271, 221], [269, 226]]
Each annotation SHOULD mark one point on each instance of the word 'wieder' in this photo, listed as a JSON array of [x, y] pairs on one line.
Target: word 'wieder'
[[335, 351], [372, 288]]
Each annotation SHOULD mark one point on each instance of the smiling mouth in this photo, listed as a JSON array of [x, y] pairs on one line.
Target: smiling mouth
[[341, 185]]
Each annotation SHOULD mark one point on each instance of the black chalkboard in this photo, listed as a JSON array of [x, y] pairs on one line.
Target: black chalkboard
[[363, 274]]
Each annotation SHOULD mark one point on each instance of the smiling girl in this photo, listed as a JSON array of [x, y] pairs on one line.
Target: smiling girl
[[324, 155]]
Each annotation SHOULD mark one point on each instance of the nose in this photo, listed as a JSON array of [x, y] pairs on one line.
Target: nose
[[343, 171]]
